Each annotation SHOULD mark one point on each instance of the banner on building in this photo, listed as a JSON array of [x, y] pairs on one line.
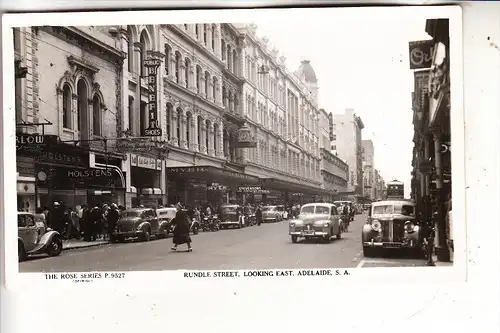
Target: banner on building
[[421, 53], [330, 126], [152, 66]]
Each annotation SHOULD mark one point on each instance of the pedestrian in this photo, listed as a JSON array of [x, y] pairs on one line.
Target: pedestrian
[[75, 220], [258, 215], [113, 217], [181, 230]]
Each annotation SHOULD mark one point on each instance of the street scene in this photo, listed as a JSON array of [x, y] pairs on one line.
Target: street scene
[[224, 146]]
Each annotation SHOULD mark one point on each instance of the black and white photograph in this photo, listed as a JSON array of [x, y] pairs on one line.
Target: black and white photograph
[[236, 144]]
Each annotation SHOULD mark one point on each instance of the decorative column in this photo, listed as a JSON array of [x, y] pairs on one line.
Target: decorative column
[[175, 121], [219, 91], [195, 145], [231, 102], [203, 87], [217, 41], [442, 250], [221, 139], [172, 66], [137, 60], [183, 122], [203, 136], [210, 95], [210, 135], [209, 36], [182, 73]]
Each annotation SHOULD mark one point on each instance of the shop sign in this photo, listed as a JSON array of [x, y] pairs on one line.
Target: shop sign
[[128, 146], [245, 138], [421, 53], [217, 187], [33, 142], [90, 173], [133, 160], [75, 158], [187, 169], [146, 162], [249, 189], [152, 66]]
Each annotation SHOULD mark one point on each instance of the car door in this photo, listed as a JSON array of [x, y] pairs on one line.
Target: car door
[[28, 231], [153, 220]]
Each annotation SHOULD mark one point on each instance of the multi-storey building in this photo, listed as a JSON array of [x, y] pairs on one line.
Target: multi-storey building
[[379, 186], [70, 100], [368, 168], [334, 171], [226, 119], [347, 144], [281, 110]]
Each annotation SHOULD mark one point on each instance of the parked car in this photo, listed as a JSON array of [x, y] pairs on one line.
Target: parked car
[[391, 224], [32, 238], [166, 214], [139, 223], [316, 220], [272, 213], [229, 216]]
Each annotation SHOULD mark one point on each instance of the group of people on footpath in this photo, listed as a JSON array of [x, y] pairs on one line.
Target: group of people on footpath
[[89, 223]]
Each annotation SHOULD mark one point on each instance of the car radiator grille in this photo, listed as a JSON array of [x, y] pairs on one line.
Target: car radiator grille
[[393, 231]]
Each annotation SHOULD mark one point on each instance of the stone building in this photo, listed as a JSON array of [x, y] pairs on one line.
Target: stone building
[[368, 157]]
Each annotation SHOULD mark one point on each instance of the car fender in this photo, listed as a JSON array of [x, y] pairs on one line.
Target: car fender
[[45, 240], [164, 224], [143, 225]]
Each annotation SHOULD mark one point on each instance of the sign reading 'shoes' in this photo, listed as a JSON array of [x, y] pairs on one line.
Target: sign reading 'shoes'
[[421, 53]]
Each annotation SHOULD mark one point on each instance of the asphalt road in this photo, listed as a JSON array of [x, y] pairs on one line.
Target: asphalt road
[[258, 247]]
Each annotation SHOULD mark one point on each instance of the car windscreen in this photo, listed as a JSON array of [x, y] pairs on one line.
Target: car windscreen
[[322, 210], [268, 208], [131, 213], [408, 210], [307, 210], [229, 209], [383, 209]]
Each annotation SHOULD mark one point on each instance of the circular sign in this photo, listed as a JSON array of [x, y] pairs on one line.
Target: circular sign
[[42, 176], [417, 57]]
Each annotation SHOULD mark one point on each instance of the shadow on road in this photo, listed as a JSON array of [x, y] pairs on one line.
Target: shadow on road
[[398, 254]]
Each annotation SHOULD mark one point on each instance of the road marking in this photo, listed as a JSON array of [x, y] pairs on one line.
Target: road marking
[[361, 263]]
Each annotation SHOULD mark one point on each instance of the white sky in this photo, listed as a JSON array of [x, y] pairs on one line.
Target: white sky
[[362, 64]]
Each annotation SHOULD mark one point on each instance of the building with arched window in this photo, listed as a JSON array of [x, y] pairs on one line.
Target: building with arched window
[[78, 98]]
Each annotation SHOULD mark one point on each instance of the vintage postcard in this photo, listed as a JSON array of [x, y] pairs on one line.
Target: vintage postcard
[[234, 144]]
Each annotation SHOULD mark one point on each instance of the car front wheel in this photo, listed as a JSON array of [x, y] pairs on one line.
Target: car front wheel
[[146, 236], [55, 247], [294, 239], [21, 252]]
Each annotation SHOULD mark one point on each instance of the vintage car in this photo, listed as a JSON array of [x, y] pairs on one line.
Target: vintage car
[[272, 213], [139, 223], [166, 214], [230, 216], [391, 224], [32, 238], [316, 220]]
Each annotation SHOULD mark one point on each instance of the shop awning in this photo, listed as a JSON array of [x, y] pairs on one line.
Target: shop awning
[[278, 184], [211, 174]]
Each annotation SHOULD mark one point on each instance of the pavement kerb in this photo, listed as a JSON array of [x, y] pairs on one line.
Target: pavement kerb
[[84, 246]]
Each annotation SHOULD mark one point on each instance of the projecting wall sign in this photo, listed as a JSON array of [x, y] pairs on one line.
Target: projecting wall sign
[[152, 65]]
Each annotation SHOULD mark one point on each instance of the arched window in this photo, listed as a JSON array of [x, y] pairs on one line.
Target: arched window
[[213, 36], [235, 62], [169, 120], [130, 49], [178, 61], [96, 116], [189, 118], [143, 52], [205, 32], [207, 136], [168, 60], [225, 140], [187, 63], [131, 114], [223, 49], [228, 62], [197, 31], [207, 84], [198, 79], [82, 109], [178, 129], [214, 89], [224, 96], [66, 104], [200, 126], [216, 136]]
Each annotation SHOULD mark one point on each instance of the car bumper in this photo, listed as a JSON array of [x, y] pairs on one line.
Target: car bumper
[[128, 234], [229, 223], [392, 245], [274, 218], [306, 234]]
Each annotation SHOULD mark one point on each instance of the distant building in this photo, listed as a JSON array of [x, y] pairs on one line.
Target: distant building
[[347, 144], [379, 186], [368, 157], [334, 171]]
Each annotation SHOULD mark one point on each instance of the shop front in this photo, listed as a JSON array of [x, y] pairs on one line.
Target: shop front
[[206, 184], [292, 193], [253, 194], [146, 181]]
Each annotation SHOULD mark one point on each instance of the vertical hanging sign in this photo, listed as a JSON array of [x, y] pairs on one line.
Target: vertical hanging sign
[[152, 66]]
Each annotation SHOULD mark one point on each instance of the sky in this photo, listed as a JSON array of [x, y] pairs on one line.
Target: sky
[[364, 67]]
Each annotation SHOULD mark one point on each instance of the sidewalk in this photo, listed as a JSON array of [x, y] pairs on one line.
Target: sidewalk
[[80, 244]]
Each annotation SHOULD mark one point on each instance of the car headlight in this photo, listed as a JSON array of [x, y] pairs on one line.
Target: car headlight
[[376, 225], [292, 225], [409, 227], [326, 225]]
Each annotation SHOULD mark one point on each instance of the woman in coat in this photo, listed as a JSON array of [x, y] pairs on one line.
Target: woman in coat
[[181, 230]]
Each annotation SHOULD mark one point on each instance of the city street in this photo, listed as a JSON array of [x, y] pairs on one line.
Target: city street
[[257, 247]]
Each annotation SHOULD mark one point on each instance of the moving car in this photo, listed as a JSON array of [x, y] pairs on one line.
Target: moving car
[[32, 238], [391, 224], [272, 213], [140, 223], [316, 220]]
